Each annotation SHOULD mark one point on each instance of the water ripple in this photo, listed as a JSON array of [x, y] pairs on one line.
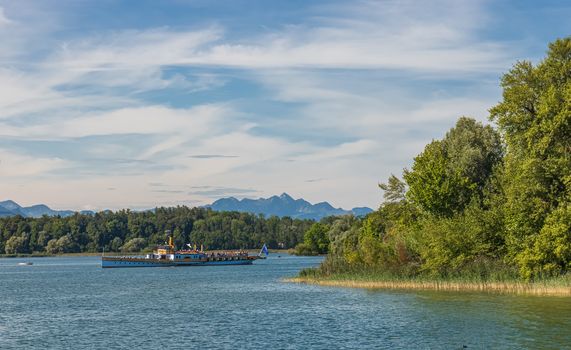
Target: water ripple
[[61, 303]]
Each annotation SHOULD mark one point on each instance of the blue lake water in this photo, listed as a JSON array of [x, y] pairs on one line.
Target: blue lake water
[[71, 303]]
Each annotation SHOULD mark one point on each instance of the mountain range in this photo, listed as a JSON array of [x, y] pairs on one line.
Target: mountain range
[[11, 208], [283, 205]]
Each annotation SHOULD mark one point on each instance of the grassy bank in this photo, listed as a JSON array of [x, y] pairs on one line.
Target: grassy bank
[[560, 286]]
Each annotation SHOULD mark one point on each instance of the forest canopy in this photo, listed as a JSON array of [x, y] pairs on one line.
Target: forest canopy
[[130, 231]]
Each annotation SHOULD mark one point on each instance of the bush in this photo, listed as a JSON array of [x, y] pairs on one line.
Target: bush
[[16, 245], [304, 249], [62, 245], [134, 245], [550, 254]]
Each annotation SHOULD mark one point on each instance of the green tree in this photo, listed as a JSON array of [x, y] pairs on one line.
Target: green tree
[[450, 173], [534, 118], [315, 240], [66, 245], [115, 244], [134, 245], [16, 245], [394, 190], [52, 246], [61, 245]]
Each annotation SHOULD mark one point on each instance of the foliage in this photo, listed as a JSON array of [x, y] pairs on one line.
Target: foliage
[[315, 240], [64, 244], [16, 245], [551, 251], [472, 205], [394, 190], [135, 231], [134, 245], [450, 172], [535, 120], [448, 245]]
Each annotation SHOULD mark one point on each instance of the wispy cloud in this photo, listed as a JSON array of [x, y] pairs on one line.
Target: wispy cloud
[[314, 180], [219, 192], [141, 120], [3, 19], [211, 156], [168, 191], [435, 36], [22, 166], [323, 105]]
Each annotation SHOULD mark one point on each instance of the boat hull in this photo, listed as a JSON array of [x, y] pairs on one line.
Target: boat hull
[[124, 262]]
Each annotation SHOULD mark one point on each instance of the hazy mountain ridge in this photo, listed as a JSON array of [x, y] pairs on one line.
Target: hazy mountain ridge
[[284, 205], [11, 208]]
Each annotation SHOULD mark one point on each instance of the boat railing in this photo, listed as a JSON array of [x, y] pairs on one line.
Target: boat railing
[[126, 256]]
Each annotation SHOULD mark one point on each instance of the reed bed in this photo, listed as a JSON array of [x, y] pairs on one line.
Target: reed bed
[[555, 287]]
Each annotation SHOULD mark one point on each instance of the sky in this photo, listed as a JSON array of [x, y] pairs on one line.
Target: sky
[[114, 104]]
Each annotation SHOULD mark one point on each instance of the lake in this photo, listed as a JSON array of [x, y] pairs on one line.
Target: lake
[[70, 302]]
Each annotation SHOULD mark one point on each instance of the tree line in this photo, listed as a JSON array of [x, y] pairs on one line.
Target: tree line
[[483, 201], [130, 231]]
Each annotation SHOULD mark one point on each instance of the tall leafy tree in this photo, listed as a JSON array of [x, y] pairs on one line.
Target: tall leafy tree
[[452, 172], [534, 117]]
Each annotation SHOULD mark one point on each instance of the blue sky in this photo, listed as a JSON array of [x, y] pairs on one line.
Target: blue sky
[[134, 104]]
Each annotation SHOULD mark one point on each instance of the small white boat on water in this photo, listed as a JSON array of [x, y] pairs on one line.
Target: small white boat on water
[[26, 263]]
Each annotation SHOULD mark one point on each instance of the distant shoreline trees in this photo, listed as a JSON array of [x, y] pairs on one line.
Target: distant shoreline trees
[[130, 231]]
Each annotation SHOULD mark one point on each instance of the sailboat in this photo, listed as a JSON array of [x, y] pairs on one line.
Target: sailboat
[[263, 252]]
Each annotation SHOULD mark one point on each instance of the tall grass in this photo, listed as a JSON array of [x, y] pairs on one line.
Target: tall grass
[[494, 278], [558, 287]]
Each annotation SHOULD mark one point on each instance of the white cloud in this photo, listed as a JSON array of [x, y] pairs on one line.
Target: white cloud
[[169, 143], [3, 19], [21, 166], [327, 68], [344, 150], [139, 120], [133, 49], [15, 88], [143, 120], [449, 109], [405, 35]]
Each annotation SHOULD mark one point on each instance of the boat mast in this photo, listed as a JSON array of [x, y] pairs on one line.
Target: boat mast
[[171, 241]]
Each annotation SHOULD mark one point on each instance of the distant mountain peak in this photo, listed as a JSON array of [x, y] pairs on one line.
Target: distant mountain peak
[[324, 205], [11, 208], [283, 205], [39, 207], [10, 205]]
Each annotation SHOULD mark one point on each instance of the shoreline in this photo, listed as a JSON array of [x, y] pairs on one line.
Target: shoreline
[[517, 288], [46, 255], [63, 255]]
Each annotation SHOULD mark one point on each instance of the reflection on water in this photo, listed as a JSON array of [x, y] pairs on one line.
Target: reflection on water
[[73, 303]]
